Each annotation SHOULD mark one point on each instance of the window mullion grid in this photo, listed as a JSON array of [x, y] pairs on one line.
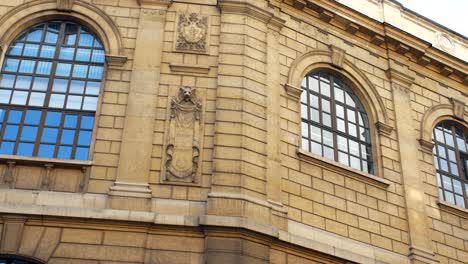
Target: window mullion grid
[[20, 129], [334, 117]]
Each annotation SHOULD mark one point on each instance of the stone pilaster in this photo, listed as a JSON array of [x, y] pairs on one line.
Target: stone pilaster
[[135, 155], [420, 250]]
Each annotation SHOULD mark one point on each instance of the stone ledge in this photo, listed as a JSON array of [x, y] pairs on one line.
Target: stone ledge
[[247, 198], [342, 169], [185, 68], [24, 160], [453, 209]]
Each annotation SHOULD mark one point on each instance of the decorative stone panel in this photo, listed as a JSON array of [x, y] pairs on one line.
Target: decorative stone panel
[[192, 33]]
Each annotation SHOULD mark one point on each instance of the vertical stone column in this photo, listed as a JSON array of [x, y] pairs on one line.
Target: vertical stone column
[[420, 243], [135, 154]]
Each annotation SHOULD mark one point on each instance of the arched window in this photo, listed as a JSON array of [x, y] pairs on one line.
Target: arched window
[[334, 123], [49, 88], [451, 161], [10, 259]]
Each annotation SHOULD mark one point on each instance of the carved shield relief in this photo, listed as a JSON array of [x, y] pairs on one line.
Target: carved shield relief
[[192, 33], [181, 162]]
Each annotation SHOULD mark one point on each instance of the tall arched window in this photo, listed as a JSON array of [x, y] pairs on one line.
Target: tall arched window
[[334, 122], [451, 162], [49, 88]]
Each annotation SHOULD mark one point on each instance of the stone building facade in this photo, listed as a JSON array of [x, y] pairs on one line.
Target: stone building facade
[[198, 152]]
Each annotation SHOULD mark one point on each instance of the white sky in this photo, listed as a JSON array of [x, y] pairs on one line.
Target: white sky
[[452, 14]]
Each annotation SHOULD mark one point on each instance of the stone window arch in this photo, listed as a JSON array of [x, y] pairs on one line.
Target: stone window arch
[[49, 87]]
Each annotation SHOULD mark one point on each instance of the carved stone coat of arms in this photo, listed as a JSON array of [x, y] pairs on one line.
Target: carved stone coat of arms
[[192, 31], [183, 145]]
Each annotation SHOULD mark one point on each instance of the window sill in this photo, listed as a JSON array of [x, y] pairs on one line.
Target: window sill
[[342, 169], [24, 160], [452, 208]]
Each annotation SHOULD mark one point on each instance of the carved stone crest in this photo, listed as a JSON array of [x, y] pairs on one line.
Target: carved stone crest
[[192, 32], [183, 144]]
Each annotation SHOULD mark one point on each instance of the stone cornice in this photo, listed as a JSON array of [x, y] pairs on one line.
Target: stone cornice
[[400, 78], [154, 3], [245, 8], [418, 51], [292, 91]]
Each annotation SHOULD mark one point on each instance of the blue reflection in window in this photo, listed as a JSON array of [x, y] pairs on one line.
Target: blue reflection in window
[[16, 49], [7, 147], [80, 71], [44, 67], [31, 50], [70, 121], [64, 152], [93, 88], [53, 119], [46, 150], [77, 87], [85, 39], [11, 132], [53, 29], [19, 97], [87, 122], [5, 96], [23, 82], [90, 103], [63, 69], [98, 56], [66, 53], [14, 116], [37, 99], [81, 153], [71, 31], [47, 52], [95, 72], [35, 35], [84, 138], [11, 65], [74, 102], [40, 83], [33, 117], [83, 54], [2, 115], [49, 135], [25, 149], [68, 136], [57, 100], [27, 66], [7, 81], [60, 85], [29, 133]]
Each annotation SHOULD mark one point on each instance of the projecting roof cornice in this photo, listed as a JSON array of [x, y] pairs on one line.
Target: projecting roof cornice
[[446, 53]]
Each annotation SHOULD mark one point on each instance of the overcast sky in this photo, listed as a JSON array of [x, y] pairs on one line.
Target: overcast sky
[[449, 13]]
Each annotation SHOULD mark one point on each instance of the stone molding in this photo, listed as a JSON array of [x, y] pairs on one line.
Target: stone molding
[[239, 196], [293, 92], [13, 22], [400, 78], [11, 233], [341, 169], [337, 56], [65, 5], [458, 108], [155, 3], [116, 60], [419, 255], [245, 8], [384, 129], [130, 189], [453, 209]]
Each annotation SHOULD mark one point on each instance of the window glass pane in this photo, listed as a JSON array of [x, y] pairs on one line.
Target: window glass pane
[[81, 153], [351, 115], [27, 66], [37, 99], [31, 50], [339, 95], [98, 56], [64, 152], [49, 135], [342, 143], [44, 67], [16, 49], [355, 163], [84, 138], [459, 201], [449, 139], [87, 122], [63, 69], [441, 151], [305, 144], [328, 153], [14, 117], [68, 137], [349, 100], [86, 39], [7, 148], [46, 151], [439, 135], [67, 53], [325, 89], [443, 165], [83, 54], [25, 149], [353, 147], [316, 133], [11, 65], [47, 51], [7, 80], [11, 132], [74, 102], [339, 111], [447, 183], [325, 105], [316, 148], [305, 129], [40, 83], [53, 119], [33, 117], [304, 111], [70, 121], [95, 72], [57, 100], [343, 158], [35, 35], [328, 138], [92, 88], [60, 85], [52, 33], [19, 97], [449, 197], [71, 31], [314, 101], [326, 119], [313, 84], [29, 133], [352, 130], [23, 82], [461, 144], [315, 115], [451, 155], [454, 168], [5, 96], [341, 125], [77, 87], [80, 71], [457, 187]]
